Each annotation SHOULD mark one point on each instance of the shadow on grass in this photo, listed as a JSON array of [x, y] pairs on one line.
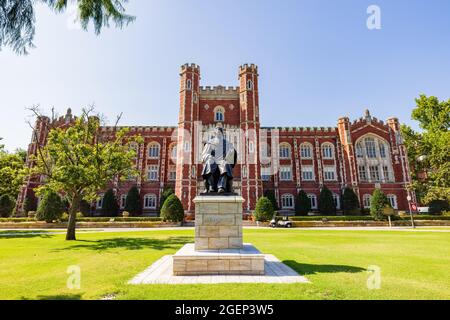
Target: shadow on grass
[[7, 234], [129, 244], [305, 269], [56, 297]]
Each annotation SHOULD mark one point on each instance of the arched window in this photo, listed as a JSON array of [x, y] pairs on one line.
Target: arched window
[[392, 200], [249, 85], [153, 150], [306, 151], [99, 203], [373, 160], [189, 84], [337, 201], [150, 201], [173, 153], [327, 151], [366, 201], [123, 201], [219, 114], [313, 200], [370, 148], [287, 201], [359, 150], [285, 151]]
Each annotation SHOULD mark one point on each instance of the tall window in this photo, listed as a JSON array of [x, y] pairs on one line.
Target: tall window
[[153, 173], [307, 173], [313, 200], [285, 173], [337, 201], [100, 201], [153, 150], [359, 150], [219, 116], [366, 201], [362, 173], [285, 151], [306, 151], [189, 84], [327, 151], [249, 85], [387, 174], [265, 173], [150, 201], [123, 201], [374, 173], [373, 156], [392, 200], [329, 173], [172, 173], [370, 148], [173, 153], [382, 149], [287, 201]]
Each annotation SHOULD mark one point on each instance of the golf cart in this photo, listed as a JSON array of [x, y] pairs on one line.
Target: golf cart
[[281, 222]]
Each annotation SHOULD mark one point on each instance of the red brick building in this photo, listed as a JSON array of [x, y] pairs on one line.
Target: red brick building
[[364, 154]]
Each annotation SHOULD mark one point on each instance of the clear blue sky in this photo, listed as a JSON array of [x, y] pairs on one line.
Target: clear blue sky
[[317, 60]]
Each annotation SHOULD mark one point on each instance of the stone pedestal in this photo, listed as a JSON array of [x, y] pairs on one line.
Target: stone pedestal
[[218, 247]]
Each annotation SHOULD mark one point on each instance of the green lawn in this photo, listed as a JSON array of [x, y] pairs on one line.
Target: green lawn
[[414, 265]]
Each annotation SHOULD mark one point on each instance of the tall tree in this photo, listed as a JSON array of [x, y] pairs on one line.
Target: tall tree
[[326, 202], [270, 194], [133, 203], [110, 207], [78, 161], [302, 204], [11, 172], [17, 18], [429, 150], [350, 201]]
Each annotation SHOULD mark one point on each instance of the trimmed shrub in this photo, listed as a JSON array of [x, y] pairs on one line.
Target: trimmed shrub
[[377, 203], [172, 209], [270, 194], [85, 208], [350, 202], [302, 204], [6, 206], [438, 206], [264, 210], [29, 204], [50, 207], [326, 202], [110, 207], [165, 194], [133, 203]]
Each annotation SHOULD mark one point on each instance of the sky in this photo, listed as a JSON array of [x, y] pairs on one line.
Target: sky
[[317, 61]]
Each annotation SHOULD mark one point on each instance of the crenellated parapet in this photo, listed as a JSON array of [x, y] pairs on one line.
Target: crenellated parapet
[[219, 93]]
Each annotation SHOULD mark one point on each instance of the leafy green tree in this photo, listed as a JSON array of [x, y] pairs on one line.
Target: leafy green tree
[[429, 150], [165, 194], [12, 172], [133, 203], [270, 194], [172, 209], [350, 201], [439, 206], [302, 204], [17, 18], [51, 207], [6, 206], [377, 203], [264, 209], [110, 207], [78, 162], [326, 202]]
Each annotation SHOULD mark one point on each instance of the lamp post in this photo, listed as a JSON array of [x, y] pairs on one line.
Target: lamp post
[[410, 211]]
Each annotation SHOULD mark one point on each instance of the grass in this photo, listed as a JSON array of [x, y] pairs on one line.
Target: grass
[[414, 265]]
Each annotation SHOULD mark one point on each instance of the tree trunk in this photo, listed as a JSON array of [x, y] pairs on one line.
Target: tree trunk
[[70, 235]]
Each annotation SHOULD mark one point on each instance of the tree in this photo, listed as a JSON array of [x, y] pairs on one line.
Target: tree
[[429, 150], [11, 172], [350, 201], [326, 202], [29, 204], [270, 194], [110, 207], [50, 207], [377, 204], [133, 203], [17, 18], [78, 161], [165, 194], [172, 209], [6, 206], [302, 204], [264, 209]]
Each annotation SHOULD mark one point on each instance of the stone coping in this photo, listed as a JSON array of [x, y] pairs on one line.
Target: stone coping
[[247, 251], [218, 199]]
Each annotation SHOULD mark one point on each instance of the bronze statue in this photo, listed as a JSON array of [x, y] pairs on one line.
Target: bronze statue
[[219, 158]]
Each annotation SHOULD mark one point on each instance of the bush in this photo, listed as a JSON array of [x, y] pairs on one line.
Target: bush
[[264, 210], [110, 207], [133, 203], [29, 204], [270, 194], [438, 206], [165, 194], [350, 202], [302, 204], [172, 209], [85, 208], [326, 202], [50, 207], [377, 203], [6, 206]]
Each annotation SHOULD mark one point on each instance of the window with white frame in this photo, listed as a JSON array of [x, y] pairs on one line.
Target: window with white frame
[[313, 200], [153, 150], [285, 151], [287, 201], [123, 201], [373, 156], [219, 115], [359, 150], [99, 203], [307, 173], [362, 173], [366, 201], [387, 173], [150, 201], [392, 200], [172, 173], [189, 84], [382, 148], [306, 151], [370, 148], [173, 153], [337, 201], [152, 173], [266, 173], [374, 173], [285, 173], [327, 151], [329, 173]]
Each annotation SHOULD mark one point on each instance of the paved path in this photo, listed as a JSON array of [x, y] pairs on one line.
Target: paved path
[[160, 272]]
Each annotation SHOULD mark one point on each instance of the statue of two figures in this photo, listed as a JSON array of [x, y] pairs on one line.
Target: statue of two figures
[[219, 157]]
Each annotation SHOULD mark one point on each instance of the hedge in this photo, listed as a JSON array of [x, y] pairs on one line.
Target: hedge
[[92, 219]]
